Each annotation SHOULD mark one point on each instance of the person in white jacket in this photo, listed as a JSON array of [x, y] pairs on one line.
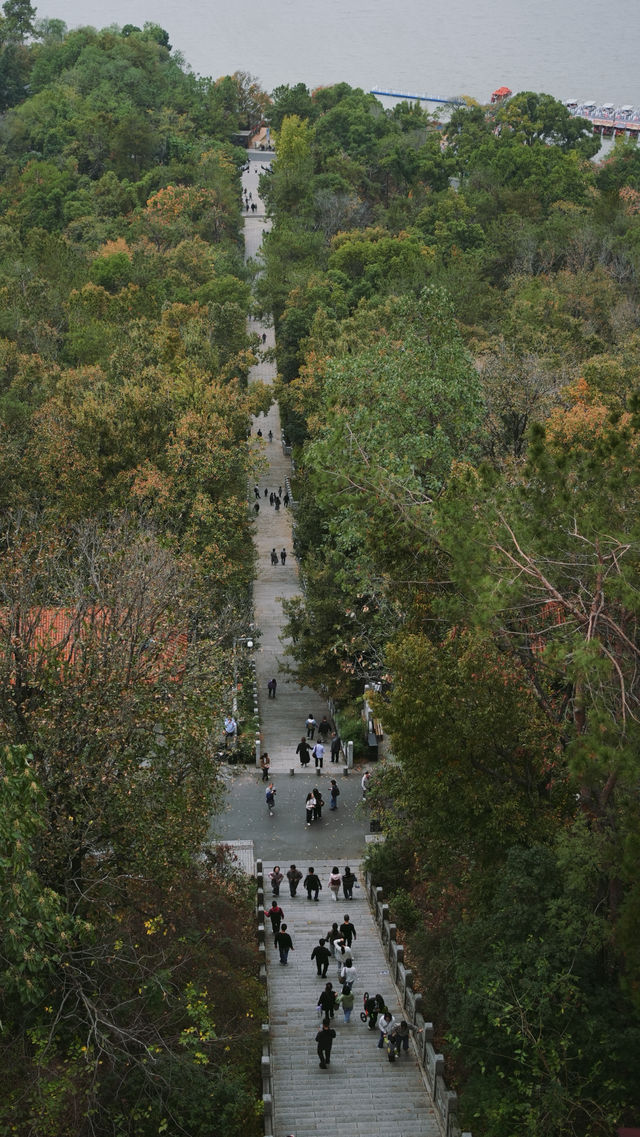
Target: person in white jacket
[[386, 1023], [348, 974], [335, 880], [342, 952]]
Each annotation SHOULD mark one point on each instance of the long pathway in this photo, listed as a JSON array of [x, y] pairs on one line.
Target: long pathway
[[283, 720], [361, 1094]]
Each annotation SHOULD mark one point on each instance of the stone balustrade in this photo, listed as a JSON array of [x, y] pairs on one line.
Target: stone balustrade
[[432, 1063]]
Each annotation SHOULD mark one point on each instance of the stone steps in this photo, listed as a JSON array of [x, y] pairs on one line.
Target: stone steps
[[361, 1092]]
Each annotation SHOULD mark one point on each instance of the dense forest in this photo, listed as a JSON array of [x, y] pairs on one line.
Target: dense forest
[[130, 999], [458, 334]]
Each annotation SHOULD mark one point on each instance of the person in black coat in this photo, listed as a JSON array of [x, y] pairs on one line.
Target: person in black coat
[[322, 955], [327, 1001], [317, 812], [348, 931], [284, 943], [348, 881], [312, 883], [294, 876], [324, 728], [324, 1041], [304, 750]]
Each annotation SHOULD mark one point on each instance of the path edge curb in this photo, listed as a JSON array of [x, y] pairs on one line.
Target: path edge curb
[[445, 1101]]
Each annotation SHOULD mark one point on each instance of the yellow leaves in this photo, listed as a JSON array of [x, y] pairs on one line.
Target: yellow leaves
[[119, 245], [154, 925]]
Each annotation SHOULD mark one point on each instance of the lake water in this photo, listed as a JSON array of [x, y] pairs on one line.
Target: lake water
[[583, 49]]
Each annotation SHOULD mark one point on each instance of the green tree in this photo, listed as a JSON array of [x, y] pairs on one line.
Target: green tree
[[375, 263], [482, 766], [287, 101], [396, 406], [289, 189], [547, 1036], [18, 23], [530, 117], [36, 928]]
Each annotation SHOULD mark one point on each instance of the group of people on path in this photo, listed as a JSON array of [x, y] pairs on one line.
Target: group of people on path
[[340, 939], [338, 944], [323, 727], [275, 499], [314, 802], [306, 751], [312, 882], [283, 556]]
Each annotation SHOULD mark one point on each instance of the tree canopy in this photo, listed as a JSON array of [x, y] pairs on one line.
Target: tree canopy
[[128, 975], [456, 332]]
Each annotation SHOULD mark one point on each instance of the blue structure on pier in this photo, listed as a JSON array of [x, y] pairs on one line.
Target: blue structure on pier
[[418, 98]]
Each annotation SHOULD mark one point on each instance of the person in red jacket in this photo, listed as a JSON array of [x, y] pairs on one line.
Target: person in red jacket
[[276, 915]]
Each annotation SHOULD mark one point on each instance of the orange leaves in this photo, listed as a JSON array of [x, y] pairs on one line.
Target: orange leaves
[[148, 485], [110, 248], [584, 420], [630, 199], [177, 211]]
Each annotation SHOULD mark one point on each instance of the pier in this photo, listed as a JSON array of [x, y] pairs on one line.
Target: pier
[[607, 119], [453, 101]]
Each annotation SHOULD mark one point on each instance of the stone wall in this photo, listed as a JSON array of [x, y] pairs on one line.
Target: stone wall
[[445, 1101], [267, 1089]]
